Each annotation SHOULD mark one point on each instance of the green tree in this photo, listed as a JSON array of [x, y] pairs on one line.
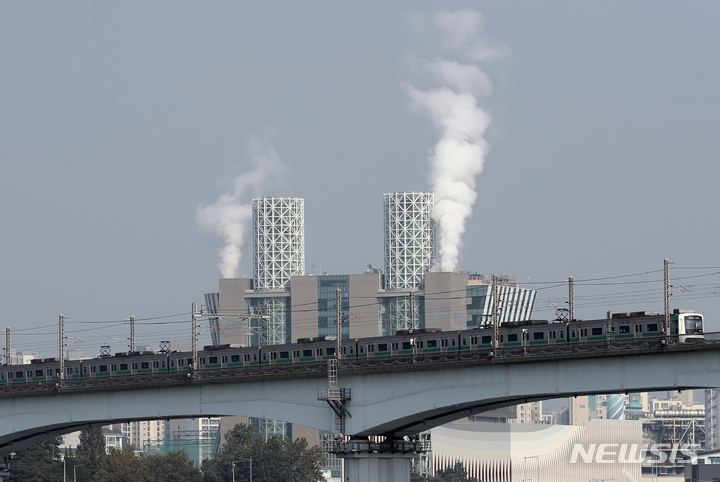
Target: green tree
[[92, 447], [273, 459], [456, 473], [39, 463], [173, 467], [122, 466]]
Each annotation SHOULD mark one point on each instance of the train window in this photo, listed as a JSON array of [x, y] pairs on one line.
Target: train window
[[123, 366], [255, 357], [352, 350], [85, 370], [2, 376], [538, 335], [38, 373], [486, 340], [213, 360], [162, 363], [307, 352], [652, 327], [144, 365], [572, 333], [453, 341], [190, 362], [172, 363], [623, 329], [361, 349], [406, 345], [284, 355], [432, 343], [597, 331], [638, 328], [501, 338], [234, 358], [102, 368], [512, 337], [464, 341], [330, 351], [562, 333], [382, 346]]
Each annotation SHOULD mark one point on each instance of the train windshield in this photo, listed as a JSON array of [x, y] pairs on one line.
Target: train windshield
[[693, 323]]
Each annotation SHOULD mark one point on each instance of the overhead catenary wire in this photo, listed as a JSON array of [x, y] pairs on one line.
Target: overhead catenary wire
[[686, 292]]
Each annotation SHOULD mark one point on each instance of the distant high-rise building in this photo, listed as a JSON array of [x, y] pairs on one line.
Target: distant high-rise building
[[409, 239], [278, 241]]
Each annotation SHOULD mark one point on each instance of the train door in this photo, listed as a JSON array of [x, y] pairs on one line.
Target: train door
[[638, 330], [552, 337], [582, 334]]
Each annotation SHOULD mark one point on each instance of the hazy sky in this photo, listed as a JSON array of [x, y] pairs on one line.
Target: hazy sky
[[119, 120]]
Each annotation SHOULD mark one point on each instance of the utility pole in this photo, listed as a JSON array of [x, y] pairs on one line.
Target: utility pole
[[132, 333], [571, 299], [412, 310], [496, 327], [61, 322], [338, 352], [7, 346], [194, 339], [667, 299]]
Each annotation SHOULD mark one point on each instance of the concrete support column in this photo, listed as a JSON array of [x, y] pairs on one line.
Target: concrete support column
[[377, 467], [388, 460]]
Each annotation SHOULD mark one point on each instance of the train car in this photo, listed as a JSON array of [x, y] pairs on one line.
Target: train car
[[689, 326], [125, 363]]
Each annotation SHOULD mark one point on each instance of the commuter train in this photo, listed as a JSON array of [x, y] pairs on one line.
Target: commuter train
[[619, 328]]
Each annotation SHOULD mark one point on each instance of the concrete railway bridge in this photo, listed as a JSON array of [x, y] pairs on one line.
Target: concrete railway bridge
[[393, 398]]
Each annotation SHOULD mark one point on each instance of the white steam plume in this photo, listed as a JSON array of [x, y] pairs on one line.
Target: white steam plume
[[460, 153], [232, 212]]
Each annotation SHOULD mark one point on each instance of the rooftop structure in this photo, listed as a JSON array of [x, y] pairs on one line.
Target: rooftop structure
[[409, 239], [278, 241]]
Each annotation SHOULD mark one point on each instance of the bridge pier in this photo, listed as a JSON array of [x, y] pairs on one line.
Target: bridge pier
[[389, 460]]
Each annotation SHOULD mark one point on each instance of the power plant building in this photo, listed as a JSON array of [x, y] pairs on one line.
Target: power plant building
[[280, 304]]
